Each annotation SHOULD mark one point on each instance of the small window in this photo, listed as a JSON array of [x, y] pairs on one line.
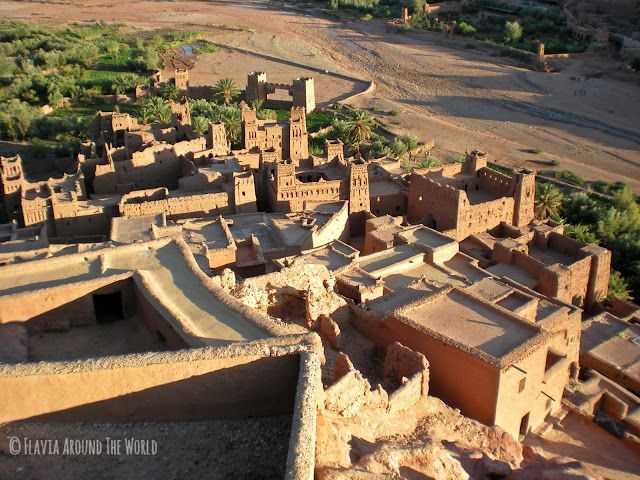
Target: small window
[[548, 407], [523, 382]]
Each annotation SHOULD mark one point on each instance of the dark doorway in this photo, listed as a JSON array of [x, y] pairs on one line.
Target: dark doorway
[[524, 425], [108, 307]]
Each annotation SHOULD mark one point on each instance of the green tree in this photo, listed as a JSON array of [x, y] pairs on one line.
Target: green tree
[[170, 91], [125, 82], [618, 288], [581, 232], [257, 104], [225, 89], [200, 125], [359, 127], [398, 147], [548, 202], [156, 110], [512, 32]]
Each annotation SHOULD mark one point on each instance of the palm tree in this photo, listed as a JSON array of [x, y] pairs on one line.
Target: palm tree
[[231, 119], [170, 91], [359, 127], [225, 89], [257, 104], [156, 110], [548, 202], [618, 288], [200, 125], [581, 232]]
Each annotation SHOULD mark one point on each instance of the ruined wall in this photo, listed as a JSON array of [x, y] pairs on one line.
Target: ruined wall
[[186, 206], [494, 182], [155, 166], [479, 218], [75, 219], [393, 204], [434, 204]]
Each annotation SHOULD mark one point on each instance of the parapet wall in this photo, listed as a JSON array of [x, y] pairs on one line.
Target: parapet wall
[[184, 206]]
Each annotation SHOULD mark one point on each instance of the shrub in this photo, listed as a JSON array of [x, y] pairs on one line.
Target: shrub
[[398, 147], [570, 177], [410, 141], [466, 30], [512, 32]]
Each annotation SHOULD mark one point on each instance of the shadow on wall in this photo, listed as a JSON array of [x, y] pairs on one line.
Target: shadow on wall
[[260, 388]]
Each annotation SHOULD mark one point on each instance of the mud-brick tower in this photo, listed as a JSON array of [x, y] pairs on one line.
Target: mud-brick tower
[[181, 76], [303, 93], [334, 150], [244, 192], [249, 127], [524, 189], [256, 87], [298, 136], [358, 187], [217, 139]]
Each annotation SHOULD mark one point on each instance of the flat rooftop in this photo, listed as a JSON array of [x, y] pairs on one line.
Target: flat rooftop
[[614, 341], [430, 272], [426, 236], [209, 232], [471, 323], [550, 256], [387, 258], [515, 273]]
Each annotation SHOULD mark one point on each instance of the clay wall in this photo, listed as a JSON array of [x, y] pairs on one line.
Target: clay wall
[[178, 391], [188, 206], [598, 288], [521, 392], [221, 257], [457, 377], [565, 245], [479, 218], [528, 264], [392, 204], [335, 228], [244, 193], [74, 219], [156, 166], [291, 197], [495, 182], [435, 203], [156, 322]]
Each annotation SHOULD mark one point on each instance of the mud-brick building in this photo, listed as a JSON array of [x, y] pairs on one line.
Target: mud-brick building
[[500, 355], [466, 198]]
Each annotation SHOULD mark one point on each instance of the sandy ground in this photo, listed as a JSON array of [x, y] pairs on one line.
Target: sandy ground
[[252, 449], [463, 98], [591, 445]]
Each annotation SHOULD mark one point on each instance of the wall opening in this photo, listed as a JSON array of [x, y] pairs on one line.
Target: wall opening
[[108, 307], [524, 425]]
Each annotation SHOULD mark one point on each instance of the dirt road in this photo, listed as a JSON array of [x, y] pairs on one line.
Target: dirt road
[[462, 98]]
